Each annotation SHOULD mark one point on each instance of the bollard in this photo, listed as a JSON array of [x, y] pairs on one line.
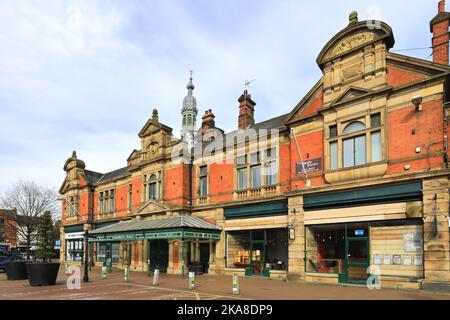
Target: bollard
[[192, 280], [125, 273], [235, 284], [104, 272], [156, 277]]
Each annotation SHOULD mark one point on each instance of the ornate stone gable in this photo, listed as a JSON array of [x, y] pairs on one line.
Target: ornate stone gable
[[350, 43]]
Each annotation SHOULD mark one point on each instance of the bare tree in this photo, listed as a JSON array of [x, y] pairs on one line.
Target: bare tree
[[30, 202]]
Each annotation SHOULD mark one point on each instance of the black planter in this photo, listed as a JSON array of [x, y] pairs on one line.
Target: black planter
[[42, 274], [16, 270]]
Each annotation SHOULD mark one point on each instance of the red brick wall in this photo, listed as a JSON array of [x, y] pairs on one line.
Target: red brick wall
[[402, 143], [314, 105], [440, 42], [221, 182], [175, 184], [397, 77], [285, 167], [311, 147], [122, 200]]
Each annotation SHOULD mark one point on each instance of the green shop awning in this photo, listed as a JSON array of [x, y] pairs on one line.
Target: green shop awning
[[382, 194], [180, 227], [279, 208]]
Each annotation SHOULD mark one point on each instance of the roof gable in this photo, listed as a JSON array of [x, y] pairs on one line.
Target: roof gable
[[309, 105]]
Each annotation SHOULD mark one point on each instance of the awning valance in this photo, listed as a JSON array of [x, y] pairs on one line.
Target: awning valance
[[181, 227]]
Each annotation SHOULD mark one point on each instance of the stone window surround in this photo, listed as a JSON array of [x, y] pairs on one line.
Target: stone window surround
[[341, 125]]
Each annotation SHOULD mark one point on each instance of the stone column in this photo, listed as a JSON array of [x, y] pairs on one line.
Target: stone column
[[170, 267], [219, 265], [296, 248], [197, 250], [436, 234], [211, 251], [145, 256], [141, 255]]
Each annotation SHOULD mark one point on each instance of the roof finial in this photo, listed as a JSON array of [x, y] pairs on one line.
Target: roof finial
[[353, 18], [190, 85], [74, 154], [155, 114]]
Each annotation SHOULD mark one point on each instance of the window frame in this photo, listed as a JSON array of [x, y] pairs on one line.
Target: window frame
[[342, 136]]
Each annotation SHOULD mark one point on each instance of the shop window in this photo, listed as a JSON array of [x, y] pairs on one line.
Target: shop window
[[101, 252], [325, 249], [265, 248], [74, 250], [115, 252]]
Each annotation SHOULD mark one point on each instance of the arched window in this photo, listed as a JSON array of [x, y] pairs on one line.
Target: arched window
[[189, 119], [184, 120], [354, 148], [152, 190], [354, 127]]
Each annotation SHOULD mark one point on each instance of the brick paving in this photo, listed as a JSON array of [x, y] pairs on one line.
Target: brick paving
[[139, 287]]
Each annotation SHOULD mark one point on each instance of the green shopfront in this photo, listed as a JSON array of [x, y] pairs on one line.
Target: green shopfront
[[165, 244], [350, 235], [257, 239]]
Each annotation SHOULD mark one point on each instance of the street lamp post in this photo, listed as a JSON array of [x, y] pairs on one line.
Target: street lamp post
[[86, 258]]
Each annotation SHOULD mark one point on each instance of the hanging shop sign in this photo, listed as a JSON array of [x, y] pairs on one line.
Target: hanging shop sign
[[308, 166]]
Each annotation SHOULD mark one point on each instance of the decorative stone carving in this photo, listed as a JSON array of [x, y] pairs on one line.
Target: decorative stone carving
[[350, 43]]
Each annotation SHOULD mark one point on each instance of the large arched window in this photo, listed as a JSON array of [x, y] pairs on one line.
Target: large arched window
[[357, 144], [354, 127]]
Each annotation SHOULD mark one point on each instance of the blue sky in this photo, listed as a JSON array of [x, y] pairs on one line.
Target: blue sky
[[85, 75]]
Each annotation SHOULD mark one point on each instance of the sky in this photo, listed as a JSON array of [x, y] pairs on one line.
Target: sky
[[85, 75]]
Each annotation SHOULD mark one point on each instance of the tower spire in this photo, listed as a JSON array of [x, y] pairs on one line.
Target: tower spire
[[189, 112]]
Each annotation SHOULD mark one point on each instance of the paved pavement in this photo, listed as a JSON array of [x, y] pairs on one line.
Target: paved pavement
[[139, 287]]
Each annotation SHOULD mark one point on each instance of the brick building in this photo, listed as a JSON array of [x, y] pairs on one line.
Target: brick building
[[8, 236], [351, 182]]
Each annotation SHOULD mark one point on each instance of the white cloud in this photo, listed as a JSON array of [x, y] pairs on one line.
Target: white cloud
[[86, 74]]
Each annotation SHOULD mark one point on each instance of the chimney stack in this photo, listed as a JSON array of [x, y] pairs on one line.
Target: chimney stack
[[439, 27], [208, 121], [246, 111]]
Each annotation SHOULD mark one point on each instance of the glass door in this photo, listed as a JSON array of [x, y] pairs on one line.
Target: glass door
[[357, 254], [258, 258]]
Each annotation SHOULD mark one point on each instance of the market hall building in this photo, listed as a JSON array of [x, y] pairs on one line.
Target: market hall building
[[354, 183]]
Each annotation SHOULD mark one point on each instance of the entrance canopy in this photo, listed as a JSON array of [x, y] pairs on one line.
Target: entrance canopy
[[180, 227]]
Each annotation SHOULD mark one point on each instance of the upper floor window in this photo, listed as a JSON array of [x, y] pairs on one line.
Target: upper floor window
[[358, 144], [2, 221], [71, 207], [151, 188], [203, 181], [260, 171], [106, 201]]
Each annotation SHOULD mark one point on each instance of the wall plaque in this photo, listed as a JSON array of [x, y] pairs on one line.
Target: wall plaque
[[308, 166]]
